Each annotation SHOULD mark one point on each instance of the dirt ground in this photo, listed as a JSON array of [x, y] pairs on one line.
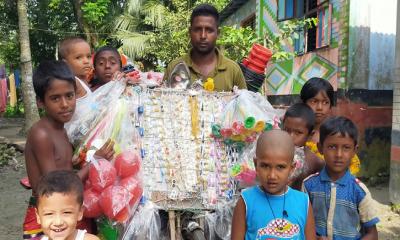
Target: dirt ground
[[13, 200]]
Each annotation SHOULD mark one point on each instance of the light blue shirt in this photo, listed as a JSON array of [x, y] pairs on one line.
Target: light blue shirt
[[262, 223]]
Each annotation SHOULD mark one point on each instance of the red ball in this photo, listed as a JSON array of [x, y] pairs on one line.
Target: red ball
[[123, 215], [134, 186], [91, 207], [113, 200], [102, 174], [127, 163], [88, 184]]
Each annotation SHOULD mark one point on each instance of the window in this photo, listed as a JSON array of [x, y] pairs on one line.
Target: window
[[249, 22], [316, 37], [289, 9]]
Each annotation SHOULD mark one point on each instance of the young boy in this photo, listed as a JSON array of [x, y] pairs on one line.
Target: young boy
[[47, 146], [59, 206], [299, 121], [343, 206], [273, 210]]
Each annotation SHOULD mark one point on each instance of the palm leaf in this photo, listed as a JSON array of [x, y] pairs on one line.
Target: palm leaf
[[134, 43]]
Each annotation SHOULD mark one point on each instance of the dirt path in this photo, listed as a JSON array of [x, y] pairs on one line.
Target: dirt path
[[13, 200]]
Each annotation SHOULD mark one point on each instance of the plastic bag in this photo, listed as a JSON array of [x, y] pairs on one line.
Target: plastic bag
[[114, 202], [180, 77], [219, 223], [244, 117], [117, 182], [91, 207], [101, 174], [90, 111], [145, 224]]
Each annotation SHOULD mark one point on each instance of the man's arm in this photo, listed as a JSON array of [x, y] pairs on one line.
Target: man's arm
[[238, 231]]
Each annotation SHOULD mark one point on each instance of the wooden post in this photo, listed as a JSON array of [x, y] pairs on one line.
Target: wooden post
[[178, 227], [172, 230]]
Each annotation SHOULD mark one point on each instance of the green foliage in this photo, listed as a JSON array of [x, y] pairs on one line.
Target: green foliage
[[288, 32], [395, 208], [236, 42], [157, 31], [14, 112], [95, 10]]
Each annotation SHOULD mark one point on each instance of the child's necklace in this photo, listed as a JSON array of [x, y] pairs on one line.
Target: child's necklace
[[284, 212]]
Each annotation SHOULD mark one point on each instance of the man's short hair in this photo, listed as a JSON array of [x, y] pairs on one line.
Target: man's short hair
[[65, 44], [48, 71], [303, 111], [60, 181], [335, 125], [205, 10]]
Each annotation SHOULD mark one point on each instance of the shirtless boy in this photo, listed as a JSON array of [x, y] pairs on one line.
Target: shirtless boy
[[47, 146]]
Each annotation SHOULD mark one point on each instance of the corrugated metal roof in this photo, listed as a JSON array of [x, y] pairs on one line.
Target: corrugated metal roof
[[231, 8]]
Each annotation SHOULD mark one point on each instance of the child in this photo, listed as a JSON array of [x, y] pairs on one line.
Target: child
[[342, 204], [319, 95], [77, 54], [107, 61], [47, 146], [273, 210], [299, 121], [59, 206]]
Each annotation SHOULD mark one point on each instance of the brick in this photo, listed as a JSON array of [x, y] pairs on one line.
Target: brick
[[395, 153]]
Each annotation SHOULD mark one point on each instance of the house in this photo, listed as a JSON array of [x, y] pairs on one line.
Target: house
[[352, 47]]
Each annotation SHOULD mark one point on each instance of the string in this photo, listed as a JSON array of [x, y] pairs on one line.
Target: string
[[284, 213]]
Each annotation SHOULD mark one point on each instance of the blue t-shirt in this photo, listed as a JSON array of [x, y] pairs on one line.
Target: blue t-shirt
[[260, 221]]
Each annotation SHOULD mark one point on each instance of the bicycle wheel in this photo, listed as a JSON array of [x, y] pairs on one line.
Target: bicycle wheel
[[198, 234]]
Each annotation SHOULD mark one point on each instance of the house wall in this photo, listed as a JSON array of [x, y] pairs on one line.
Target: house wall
[[359, 63], [394, 183], [241, 14], [289, 76], [372, 33]]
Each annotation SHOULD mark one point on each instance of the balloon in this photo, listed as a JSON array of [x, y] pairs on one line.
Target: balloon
[[127, 163], [102, 174], [134, 187], [113, 200], [123, 215], [91, 207]]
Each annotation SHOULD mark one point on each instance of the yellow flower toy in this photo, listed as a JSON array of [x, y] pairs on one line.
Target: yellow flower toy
[[209, 84], [354, 164]]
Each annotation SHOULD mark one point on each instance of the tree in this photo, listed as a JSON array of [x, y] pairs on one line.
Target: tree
[[157, 31], [30, 109]]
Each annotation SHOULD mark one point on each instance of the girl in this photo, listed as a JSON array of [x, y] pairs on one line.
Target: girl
[[319, 95]]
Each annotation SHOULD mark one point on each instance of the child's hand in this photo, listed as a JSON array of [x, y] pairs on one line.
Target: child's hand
[[118, 76], [106, 151]]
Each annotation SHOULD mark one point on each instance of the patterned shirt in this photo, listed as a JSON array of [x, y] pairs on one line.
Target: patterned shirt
[[340, 208]]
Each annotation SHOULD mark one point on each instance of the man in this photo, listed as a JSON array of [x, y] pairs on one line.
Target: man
[[204, 60]]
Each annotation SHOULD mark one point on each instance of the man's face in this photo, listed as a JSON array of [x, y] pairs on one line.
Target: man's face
[[203, 34]]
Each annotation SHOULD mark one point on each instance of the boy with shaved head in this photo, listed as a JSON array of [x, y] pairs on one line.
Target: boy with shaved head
[[273, 210]]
